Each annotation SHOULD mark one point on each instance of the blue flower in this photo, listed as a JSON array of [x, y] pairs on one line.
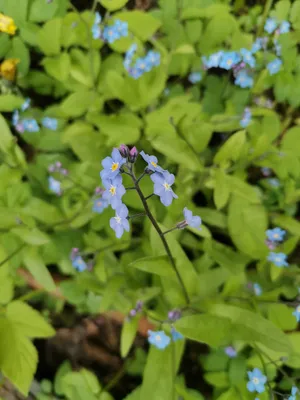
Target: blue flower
[[30, 125], [15, 118], [195, 77], [50, 123], [121, 27], [248, 57], [192, 220], [96, 31], [294, 391], [119, 223], [112, 165], [135, 73], [159, 339], [114, 191], [213, 61], [279, 259], [162, 187], [79, 264], [297, 313], [129, 56], [152, 162], [230, 351], [143, 65], [270, 25], [100, 205], [275, 234], [274, 66], [257, 289], [26, 104], [153, 58], [256, 381], [257, 45], [116, 31], [54, 185], [176, 335], [246, 119], [229, 59], [243, 79], [284, 27]]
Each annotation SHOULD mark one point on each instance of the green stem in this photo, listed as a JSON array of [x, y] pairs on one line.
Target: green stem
[[265, 371], [170, 230], [119, 375], [267, 9]]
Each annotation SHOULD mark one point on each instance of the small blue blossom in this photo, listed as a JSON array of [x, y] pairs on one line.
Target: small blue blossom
[[297, 313], [257, 45], [274, 66], [114, 191], [112, 165], [270, 25], [98, 18], [284, 27], [143, 65], [246, 119], [192, 220], [50, 123], [100, 205], [79, 264], [15, 117], [119, 222], [116, 31], [153, 58], [162, 187], [274, 182], [248, 58], [152, 162], [54, 185], [135, 73], [257, 289], [30, 125], [213, 61], [96, 31], [176, 335], [229, 60], [26, 104], [121, 27], [230, 351], [279, 259], [294, 391], [195, 77], [243, 79], [256, 381], [158, 339], [275, 234]]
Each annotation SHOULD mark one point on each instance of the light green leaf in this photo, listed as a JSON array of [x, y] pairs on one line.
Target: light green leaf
[[39, 12], [9, 102], [221, 191], [58, 67], [288, 223], [38, 269], [28, 321], [158, 265], [21, 52], [7, 140], [31, 236], [111, 289], [185, 49], [113, 5], [49, 37], [140, 23], [232, 148], [281, 315], [128, 334], [76, 104], [16, 9], [6, 282]]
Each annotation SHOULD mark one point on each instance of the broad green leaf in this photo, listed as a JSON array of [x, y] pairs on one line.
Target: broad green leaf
[[221, 191], [232, 148], [16, 9], [159, 265], [76, 104], [58, 67], [49, 37], [35, 264], [18, 356], [10, 102], [6, 141], [128, 334], [294, 359], [185, 49], [113, 5], [109, 294], [205, 328], [218, 379], [81, 385], [6, 282], [28, 321], [252, 327], [291, 141], [237, 370], [140, 23], [242, 189], [39, 12], [31, 236], [281, 316], [288, 223], [20, 51]]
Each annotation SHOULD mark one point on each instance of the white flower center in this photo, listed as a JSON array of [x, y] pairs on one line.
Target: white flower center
[[255, 381], [278, 259], [158, 338], [166, 186], [118, 219]]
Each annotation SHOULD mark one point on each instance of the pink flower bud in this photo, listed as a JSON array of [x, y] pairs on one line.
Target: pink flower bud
[[133, 154], [124, 150]]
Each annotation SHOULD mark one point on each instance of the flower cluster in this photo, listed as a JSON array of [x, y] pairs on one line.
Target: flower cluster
[[246, 118], [256, 381], [136, 68], [160, 340], [137, 309], [57, 167], [274, 237], [271, 26], [116, 31], [77, 261], [7, 25], [54, 186], [96, 29]]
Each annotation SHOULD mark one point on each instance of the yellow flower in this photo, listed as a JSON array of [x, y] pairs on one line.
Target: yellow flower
[[8, 68], [7, 25]]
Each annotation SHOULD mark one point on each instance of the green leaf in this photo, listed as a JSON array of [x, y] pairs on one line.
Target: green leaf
[[128, 334], [31, 236], [21, 52], [58, 67], [6, 282], [38, 269], [291, 141], [10, 102], [113, 5], [16, 9], [7, 140], [76, 104], [281, 316], [140, 23], [232, 148], [252, 327], [109, 294], [221, 191], [237, 370], [218, 379], [39, 12], [205, 328], [158, 265], [184, 49], [18, 356], [28, 321], [288, 223], [242, 189], [49, 37]]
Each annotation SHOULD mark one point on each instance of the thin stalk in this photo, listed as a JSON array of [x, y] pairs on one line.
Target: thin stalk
[[161, 235], [136, 215], [170, 230], [142, 176], [119, 375], [150, 195], [265, 371], [173, 349]]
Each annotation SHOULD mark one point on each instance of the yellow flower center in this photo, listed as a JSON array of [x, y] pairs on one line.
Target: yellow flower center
[[114, 166], [153, 163], [158, 338], [276, 235], [255, 381], [113, 190], [167, 186], [118, 219], [229, 62]]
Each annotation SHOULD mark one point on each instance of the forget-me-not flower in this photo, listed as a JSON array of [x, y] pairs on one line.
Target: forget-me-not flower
[[162, 187], [248, 57], [158, 339], [116, 31], [79, 264], [257, 381], [54, 185], [230, 351], [275, 234], [279, 259], [129, 56], [96, 29], [294, 391], [176, 335], [112, 165], [119, 222], [50, 123], [153, 58], [257, 45], [243, 80], [270, 25], [284, 27], [99, 205], [274, 66], [192, 220], [152, 162], [30, 125], [229, 59], [297, 313], [194, 77], [246, 119], [15, 118], [26, 104], [114, 191], [213, 61]]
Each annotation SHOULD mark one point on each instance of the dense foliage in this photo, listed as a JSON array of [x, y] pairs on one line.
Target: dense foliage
[[150, 169]]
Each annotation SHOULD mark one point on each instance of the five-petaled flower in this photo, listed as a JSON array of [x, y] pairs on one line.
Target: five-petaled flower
[[270, 25], [159, 339], [296, 313], [257, 289], [193, 221], [30, 125], [275, 234], [114, 191], [100, 205], [119, 223], [246, 118], [243, 79], [229, 59], [274, 66], [112, 165], [230, 351], [152, 162], [284, 27], [162, 187], [54, 186], [50, 123], [256, 381], [279, 259], [194, 77]]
